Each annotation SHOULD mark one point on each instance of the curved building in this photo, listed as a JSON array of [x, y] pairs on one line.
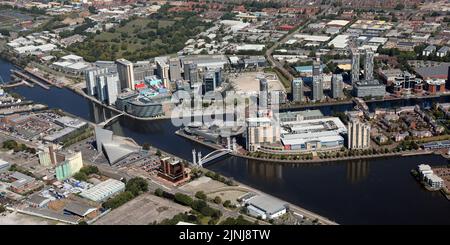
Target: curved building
[[144, 107]]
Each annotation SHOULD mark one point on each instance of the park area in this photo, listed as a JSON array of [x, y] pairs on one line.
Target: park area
[[140, 38]]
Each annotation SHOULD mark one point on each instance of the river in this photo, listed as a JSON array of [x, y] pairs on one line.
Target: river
[[375, 191]]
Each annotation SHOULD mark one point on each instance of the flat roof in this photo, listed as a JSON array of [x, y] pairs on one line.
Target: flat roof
[[338, 22], [307, 37], [103, 189], [340, 41], [267, 204], [71, 57], [430, 71]]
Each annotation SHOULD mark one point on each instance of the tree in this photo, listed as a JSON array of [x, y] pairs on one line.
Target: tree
[[227, 203], [2, 209], [200, 195], [90, 170], [146, 146], [81, 176], [238, 221], [159, 192], [198, 205], [158, 153], [136, 186], [92, 10], [183, 199], [217, 200], [118, 200]]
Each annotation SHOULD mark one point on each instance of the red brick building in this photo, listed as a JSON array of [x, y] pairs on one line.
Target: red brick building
[[173, 170]]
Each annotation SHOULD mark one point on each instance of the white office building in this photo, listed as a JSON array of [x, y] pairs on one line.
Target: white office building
[[358, 135], [126, 74]]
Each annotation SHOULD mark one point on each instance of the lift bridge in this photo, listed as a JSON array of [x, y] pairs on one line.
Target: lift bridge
[[198, 160]]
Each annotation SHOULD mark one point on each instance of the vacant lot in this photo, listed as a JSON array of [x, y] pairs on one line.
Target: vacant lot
[[213, 188], [204, 184], [22, 219], [249, 82], [142, 210]]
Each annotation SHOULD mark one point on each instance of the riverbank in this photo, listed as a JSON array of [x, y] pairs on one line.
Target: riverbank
[[306, 161], [292, 207], [350, 192], [92, 99]]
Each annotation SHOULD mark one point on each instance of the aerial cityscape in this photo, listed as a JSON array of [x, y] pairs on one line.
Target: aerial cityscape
[[224, 112]]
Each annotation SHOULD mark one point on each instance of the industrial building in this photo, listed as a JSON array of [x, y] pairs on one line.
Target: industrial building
[[265, 207], [70, 163], [104, 190], [4, 166], [21, 183], [206, 62], [71, 64]]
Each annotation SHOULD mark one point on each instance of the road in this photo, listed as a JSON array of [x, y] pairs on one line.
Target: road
[[269, 52]]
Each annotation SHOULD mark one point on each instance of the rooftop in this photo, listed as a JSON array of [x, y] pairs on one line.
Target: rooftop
[[268, 204]]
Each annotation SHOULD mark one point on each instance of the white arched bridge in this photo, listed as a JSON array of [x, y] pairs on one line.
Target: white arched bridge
[[198, 160], [109, 120]]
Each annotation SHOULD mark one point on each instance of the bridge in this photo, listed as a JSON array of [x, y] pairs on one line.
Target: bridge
[[109, 120], [198, 160]]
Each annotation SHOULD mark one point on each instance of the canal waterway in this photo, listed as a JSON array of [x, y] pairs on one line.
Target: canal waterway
[[373, 191]]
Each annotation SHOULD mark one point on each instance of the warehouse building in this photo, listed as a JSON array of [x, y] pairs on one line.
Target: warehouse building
[[104, 190], [266, 207], [4, 166]]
